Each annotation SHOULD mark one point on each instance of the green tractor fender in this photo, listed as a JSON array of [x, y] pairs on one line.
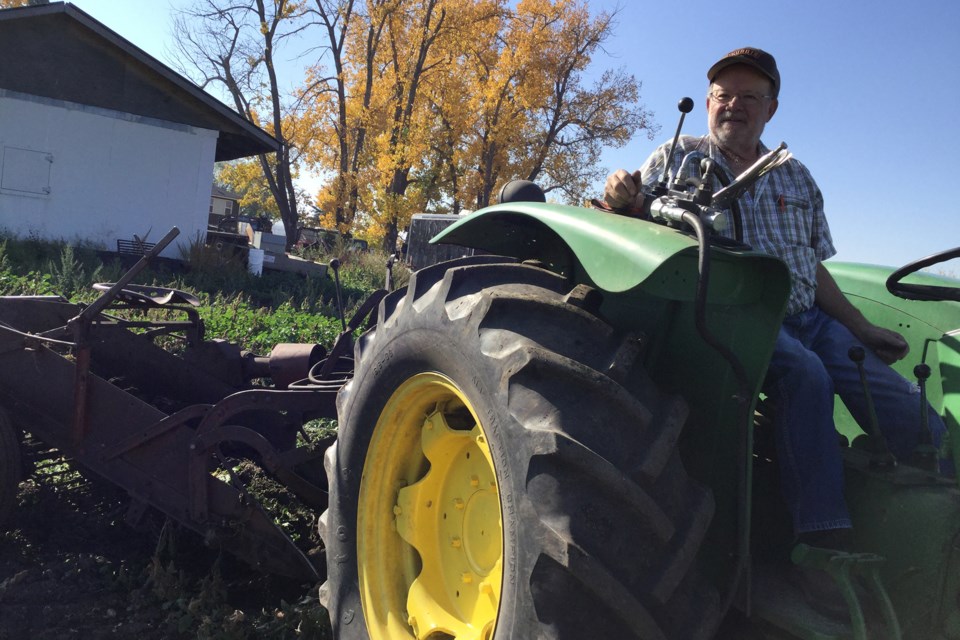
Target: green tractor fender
[[648, 274], [616, 253], [613, 252]]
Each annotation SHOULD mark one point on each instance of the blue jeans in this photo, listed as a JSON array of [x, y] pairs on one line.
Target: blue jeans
[[808, 366]]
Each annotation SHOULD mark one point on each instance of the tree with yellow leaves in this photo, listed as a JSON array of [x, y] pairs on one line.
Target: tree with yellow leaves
[[338, 126], [534, 117], [452, 98]]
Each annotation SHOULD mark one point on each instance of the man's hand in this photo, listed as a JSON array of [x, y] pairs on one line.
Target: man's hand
[[888, 345], [622, 190]]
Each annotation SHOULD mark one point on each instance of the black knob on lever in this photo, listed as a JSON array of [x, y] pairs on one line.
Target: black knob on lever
[[685, 105]]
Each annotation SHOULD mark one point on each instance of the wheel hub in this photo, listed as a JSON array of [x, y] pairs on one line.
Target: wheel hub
[[436, 476]]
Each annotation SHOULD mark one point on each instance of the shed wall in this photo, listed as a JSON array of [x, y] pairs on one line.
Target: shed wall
[[109, 175]]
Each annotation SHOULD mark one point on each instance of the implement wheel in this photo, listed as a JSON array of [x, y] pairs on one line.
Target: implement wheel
[[505, 469], [10, 468]]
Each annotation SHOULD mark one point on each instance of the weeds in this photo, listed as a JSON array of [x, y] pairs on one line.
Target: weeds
[[200, 606], [68, 275], [32, 283], [174, 586], [197, 601]]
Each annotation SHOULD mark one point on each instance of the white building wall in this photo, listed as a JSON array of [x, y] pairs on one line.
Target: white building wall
[[110, 175]]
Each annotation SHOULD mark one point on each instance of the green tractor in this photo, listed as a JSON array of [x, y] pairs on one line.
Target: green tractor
[[562, 437]]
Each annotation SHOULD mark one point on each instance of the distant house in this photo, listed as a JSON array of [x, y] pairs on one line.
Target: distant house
[[223, 204], [100, 142]]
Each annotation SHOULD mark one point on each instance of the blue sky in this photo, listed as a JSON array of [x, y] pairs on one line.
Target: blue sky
[[869, 99]]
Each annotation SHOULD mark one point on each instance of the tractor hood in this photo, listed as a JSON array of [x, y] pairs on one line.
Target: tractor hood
[[867, 283]]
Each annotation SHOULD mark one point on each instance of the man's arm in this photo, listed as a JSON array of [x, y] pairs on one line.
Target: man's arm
[[889, 345]]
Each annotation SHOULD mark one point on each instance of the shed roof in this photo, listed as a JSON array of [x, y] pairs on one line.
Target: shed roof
[[220, 192], [57, 51]]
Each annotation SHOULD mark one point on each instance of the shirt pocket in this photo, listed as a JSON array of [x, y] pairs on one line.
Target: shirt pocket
[[793, 200], [792, 221]]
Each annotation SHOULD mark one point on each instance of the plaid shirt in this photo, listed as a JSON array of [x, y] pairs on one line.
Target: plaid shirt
[[782, 214]]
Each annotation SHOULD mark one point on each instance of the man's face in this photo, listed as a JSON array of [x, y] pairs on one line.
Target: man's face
[[739, 123]]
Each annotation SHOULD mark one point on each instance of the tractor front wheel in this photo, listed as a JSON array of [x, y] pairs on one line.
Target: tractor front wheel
[[506, 469]]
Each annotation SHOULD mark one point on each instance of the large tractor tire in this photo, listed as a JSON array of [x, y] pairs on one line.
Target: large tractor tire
[[10, 468], [505, 469]]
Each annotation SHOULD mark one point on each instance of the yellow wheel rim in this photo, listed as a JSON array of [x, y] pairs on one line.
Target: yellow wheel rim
[[430, 536]]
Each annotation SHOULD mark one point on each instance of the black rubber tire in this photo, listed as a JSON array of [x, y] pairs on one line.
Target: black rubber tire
[[601, 524], [11, 469]]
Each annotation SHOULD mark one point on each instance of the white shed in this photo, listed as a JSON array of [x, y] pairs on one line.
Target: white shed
[[100, 142]]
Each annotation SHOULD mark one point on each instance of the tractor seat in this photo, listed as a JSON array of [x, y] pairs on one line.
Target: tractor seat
[[141, 295]]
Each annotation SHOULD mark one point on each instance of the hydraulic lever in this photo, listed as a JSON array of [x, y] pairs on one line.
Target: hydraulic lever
[[685, 106], [925, 455], [766, 163], [882, 457], [335, 265]]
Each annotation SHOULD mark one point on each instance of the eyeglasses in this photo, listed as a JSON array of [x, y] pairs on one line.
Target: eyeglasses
[[747, 99]]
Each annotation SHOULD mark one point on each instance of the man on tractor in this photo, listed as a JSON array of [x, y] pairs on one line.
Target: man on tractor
[[782, 214]]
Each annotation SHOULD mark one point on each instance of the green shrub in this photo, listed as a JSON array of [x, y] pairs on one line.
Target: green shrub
[[255, 312], [238, 321]]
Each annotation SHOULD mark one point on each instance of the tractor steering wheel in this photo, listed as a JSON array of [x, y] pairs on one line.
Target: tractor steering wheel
[[923, 291]]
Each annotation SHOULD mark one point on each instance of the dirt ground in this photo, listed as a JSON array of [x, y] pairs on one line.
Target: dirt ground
[[71, 567]]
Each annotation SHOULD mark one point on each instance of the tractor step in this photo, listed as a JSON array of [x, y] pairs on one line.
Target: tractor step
[[784, 603]]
